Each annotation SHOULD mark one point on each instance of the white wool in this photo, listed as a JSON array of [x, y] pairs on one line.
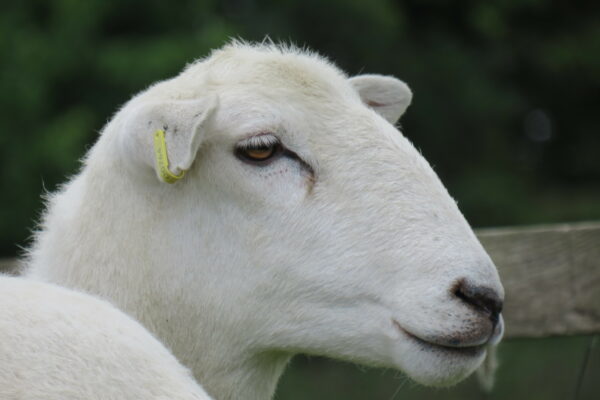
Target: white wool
[[58, 344], [339, 247]]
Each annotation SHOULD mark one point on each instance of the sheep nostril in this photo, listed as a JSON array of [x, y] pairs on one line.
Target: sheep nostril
[[482, 298]]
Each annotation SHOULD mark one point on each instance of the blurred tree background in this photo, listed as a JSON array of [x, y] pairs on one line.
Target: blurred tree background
[[506, 104]]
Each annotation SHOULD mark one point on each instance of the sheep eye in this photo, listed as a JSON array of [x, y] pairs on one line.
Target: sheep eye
[[259, 150], [260, 154]]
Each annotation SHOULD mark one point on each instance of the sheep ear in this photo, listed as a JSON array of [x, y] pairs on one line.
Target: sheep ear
[[388, 96], [167, 135]]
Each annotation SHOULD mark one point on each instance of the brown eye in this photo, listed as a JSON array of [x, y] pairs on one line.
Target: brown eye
[[260, 154], [259, 150]]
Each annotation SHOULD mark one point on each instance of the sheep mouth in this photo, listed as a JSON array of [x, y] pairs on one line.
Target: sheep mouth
[[428, 345]]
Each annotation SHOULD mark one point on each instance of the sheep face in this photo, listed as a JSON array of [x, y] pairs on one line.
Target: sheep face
[[326, 228], [305, 222]]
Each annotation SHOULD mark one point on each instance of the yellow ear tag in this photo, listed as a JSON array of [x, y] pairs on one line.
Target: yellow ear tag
[[162, 160]]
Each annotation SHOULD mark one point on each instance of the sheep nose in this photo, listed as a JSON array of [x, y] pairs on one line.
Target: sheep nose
[[483, 299]]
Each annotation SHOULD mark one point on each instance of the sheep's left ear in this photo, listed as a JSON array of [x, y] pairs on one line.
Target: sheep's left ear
[[388, 96], [165, 136]]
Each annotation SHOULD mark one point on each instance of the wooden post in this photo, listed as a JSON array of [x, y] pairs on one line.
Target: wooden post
[[9, 266]]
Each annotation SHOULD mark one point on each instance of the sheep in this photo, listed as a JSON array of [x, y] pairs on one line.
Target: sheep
[[262, 204], [59, 344]]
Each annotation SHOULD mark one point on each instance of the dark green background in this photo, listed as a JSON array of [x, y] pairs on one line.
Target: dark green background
[[506, 104]]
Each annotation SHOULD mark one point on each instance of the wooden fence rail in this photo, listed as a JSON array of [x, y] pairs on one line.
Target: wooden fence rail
[[551, 275]]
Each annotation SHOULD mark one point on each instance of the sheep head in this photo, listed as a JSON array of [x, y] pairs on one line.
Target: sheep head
[[305, 222]]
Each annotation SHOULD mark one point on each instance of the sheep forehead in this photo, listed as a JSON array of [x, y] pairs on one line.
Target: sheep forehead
[[273, 66], [307, 81]]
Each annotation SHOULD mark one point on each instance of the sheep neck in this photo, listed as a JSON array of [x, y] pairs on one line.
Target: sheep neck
[[84, 246]]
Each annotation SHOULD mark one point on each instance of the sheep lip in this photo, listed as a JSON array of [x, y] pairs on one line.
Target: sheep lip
[[471, 350]]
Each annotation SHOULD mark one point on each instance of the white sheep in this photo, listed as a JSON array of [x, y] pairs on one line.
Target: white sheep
[[262, 204], [59, 344]]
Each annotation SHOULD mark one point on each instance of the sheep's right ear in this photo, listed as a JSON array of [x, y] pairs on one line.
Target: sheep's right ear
[[166, 135]]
